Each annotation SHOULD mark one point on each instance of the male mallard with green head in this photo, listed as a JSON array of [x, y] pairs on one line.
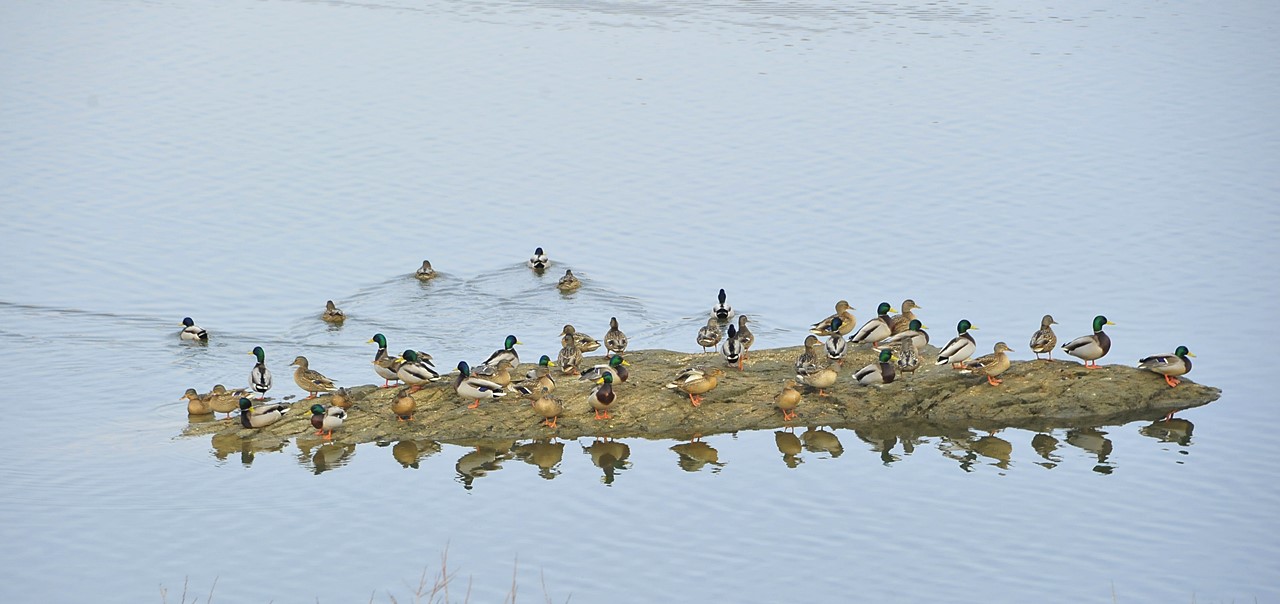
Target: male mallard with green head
[[192, 332], [882, 371], [616, 365], [415, 369], [262, 415], [876, 329], [1169, 365], [602, 397], [259, 376], [960, 347], [469, 386], [1091, 347], [325, 421], [384, 364]]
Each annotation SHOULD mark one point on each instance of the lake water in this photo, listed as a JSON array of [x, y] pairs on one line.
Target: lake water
[[241, 162]]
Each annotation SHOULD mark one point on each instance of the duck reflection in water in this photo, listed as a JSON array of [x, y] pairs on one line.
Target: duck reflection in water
[[817, 440], [1174, 430], [545, 453], [1045, 445], [225, 445], [325, 457], [409, 453], [1094, 441], [485, 458], [789, 446], [610, 456], [695, 454], [967, 449]]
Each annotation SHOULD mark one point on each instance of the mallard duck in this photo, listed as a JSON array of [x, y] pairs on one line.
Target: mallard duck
[[1043, 340], [309, 379], [614, 340], [902, 322], [828, 327], [616, 365], [259, 376], [196, 404], [538, 379], [908, 356], [193, 332], [332, 313], [221, 400], [992, 364], [584, 342], [570, 356], [810, 360], [915, 332], [568, 282], [403, 405], [327, 420], [341, 398], [731, 349], [876, 329], [548, 407], [880, 372], [425, 273], [745, 339], [709, 335], [960, 347], [415, 369], [601, 397], [261, 416], [384, 364], [722, 311], [499, 374], [836, 344], [819, 377], [539, 261], [1169, 365], [1093, 347], [472, 387], [787, 400], [696, 381], [507, 352]]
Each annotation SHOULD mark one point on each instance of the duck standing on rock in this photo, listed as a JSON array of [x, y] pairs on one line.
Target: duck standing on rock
[[732, 349], [880, 372], [1091, 347], [262, 416], [403, 405], [836, 344], [327, 420], [788, 400], [1169, 365], [992, 364], [745, 339], [538, 380], [260, 376], [508, 352], [415, 369], [614, 340], [902, 322], [819, 377], [915, 332], [584, 342], [568, 282], [602, 397], [828, 327], [876, 329], [196, 404], [696, 381], [548, 407], [1043, 340], [721, 311], [192, 332], [616, 366], [425, 272], [332, 314], [468, 386], [709, 335], [960, 347], [499, 374], [309, 379], [908, 356], [384, 364], [539, 261], [221, 400], [810, 360], [570, 355]]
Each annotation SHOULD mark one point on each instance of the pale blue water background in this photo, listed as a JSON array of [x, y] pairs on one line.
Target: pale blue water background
[[242, 162]]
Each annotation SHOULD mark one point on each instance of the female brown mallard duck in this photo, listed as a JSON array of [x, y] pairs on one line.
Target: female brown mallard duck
[[602, 396], [1091, 347], [309, 379], [1169, 365], [218, 400], [614, 340], [425, 272], [1043, 340], [568, 282], [826, 328], [902, 322], [548, 407], [696, 381], [341, 398], [876, 329], [570, 355], [262, 415], [819, 377], [960, 347], [196, 404], [788, 400], [584, 342], [810, 360], [709, 335], [908, 356], [333, 314], [403, 405], [882, 371], [992, 364], [745, 339]]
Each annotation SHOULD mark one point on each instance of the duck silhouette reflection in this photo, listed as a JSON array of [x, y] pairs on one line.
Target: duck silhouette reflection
[[610, 456], [543, 453]]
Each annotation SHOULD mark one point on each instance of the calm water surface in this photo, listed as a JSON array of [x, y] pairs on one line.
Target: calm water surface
[[242, 162]]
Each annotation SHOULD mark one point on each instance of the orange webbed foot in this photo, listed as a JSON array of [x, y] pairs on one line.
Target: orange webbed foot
[[474, 405]]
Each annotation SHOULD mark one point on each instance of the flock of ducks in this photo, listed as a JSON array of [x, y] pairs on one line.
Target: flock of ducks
[[899, 338]]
